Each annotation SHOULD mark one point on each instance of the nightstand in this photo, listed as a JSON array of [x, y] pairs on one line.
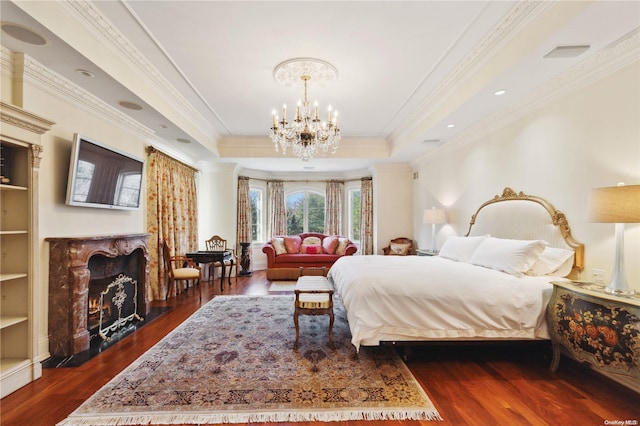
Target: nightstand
[[592, 326], [426, 253]]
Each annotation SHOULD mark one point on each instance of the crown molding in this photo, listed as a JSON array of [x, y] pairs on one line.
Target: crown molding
[[28, 70], [522, 13], [85, 12], [601, 64]]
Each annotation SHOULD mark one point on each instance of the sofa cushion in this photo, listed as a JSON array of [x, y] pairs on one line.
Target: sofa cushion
[[292, 243], [303, 258], [342, 245], [311, 245], [330, 244], [278, 245]]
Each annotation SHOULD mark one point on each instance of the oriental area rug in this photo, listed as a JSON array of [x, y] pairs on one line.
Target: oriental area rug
[[233, 361]]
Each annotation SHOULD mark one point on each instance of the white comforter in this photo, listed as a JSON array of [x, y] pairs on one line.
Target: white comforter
[[396, 298]]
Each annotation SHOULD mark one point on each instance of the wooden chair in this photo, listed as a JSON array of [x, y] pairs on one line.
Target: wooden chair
[[399, 247], [217, 243], [180, 268]]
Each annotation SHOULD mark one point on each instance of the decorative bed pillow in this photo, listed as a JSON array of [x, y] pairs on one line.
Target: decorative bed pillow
[[278, 244], [461, 248], [330, 244], [514, 257], [399, 249], [342, 245], [553, 261], [293, 243]]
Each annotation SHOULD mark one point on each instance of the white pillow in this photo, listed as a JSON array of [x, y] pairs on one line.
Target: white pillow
[[553, 261], [514, 257], [460, 248]]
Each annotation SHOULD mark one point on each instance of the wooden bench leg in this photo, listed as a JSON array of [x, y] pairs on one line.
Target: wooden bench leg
[[331, 331], [295, 321]]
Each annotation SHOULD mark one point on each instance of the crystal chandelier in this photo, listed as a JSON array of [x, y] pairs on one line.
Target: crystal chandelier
[[307, 134]]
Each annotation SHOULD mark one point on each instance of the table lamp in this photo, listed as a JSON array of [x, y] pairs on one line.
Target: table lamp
[[616, 204], [434, 216]]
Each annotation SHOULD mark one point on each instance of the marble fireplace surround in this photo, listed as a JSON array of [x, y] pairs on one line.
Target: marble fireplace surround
[[69, 277]]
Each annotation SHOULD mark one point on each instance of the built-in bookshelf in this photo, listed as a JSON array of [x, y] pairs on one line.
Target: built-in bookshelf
[[20, 142]]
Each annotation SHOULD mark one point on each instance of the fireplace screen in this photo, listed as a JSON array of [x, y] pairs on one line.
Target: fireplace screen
[[114, 307]]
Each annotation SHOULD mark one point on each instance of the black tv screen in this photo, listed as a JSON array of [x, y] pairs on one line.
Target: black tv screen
[[103, 177]]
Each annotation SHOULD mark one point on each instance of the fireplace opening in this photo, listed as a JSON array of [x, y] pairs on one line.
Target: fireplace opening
[[114, 299], [113, 306]]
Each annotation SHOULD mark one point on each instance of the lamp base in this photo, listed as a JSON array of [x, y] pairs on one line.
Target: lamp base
[[619, 291]]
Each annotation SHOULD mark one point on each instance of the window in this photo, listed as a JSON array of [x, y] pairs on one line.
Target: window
[[305, 212], [255, 198], [354, 215]]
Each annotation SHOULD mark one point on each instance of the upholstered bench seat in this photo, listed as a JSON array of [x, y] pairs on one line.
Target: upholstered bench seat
[[314, 296]]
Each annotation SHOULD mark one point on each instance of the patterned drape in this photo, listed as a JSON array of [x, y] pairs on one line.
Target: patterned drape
[[333, 207], [171, 214], [244, 213], [276, 209], [366, 216]]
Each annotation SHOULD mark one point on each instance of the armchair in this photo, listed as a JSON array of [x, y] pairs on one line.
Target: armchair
[[401, 246]]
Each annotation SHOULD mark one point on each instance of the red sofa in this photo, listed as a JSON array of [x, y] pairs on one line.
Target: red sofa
[[286, 266]]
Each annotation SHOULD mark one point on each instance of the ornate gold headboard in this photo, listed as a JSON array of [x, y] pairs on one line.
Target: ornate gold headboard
[[522, 216]]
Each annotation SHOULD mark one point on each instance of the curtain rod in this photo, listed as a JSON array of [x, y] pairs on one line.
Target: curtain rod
[[307, 180], [152, 149]]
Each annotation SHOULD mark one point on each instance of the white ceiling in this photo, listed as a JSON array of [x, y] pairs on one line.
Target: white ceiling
[[203, 69]]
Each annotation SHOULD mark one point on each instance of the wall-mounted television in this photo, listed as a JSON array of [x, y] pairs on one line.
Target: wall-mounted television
[[104, 177]]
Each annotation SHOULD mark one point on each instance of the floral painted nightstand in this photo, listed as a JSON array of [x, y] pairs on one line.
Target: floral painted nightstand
[[592, 326]]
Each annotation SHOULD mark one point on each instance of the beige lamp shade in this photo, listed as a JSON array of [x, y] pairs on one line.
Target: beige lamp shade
[[434, 216], [615, 204]]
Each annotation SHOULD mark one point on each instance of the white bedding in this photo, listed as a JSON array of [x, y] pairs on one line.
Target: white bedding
[[408, 298]]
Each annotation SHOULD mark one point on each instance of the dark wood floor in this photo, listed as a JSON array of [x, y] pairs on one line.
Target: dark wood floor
[[470, 385]]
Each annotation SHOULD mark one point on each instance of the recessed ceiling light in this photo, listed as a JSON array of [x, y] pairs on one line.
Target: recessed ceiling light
[[431, 141], [24, 34], [309, 167], [567, 51], [500, 92], [451, 125], [85, 73], [130, 105], [183, 140]]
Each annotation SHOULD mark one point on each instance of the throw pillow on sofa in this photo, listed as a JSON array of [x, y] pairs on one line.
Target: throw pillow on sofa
[[342, 245], [311, 245], [330, 244], [293, 243], [278, 245]]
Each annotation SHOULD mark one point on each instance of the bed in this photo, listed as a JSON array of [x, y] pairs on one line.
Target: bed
[[493, 284]]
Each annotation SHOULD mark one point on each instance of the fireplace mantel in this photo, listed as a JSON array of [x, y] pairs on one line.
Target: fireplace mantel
[[69, 277]]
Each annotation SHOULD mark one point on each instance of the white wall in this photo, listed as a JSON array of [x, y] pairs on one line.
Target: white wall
[[393, 204], [587, 139], [217, 206]]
